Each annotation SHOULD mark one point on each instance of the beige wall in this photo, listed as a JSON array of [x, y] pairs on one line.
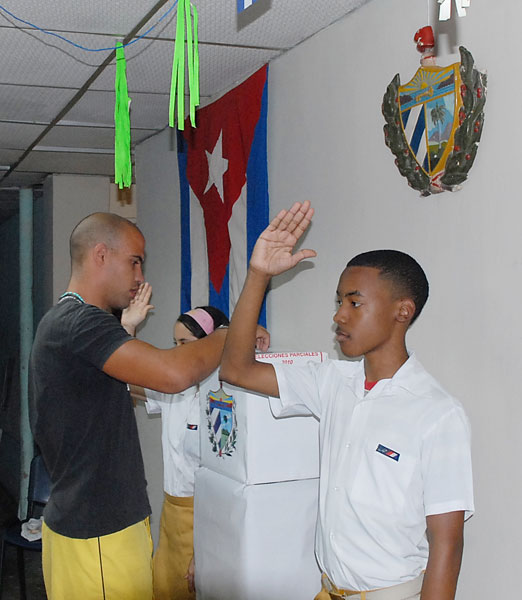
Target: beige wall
[[73, 198], [326, 144], [157, 186]]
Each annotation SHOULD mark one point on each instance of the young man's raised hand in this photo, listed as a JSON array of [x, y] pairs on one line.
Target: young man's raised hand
[[272, 253]]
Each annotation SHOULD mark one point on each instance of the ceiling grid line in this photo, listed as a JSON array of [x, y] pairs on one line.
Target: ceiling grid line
[[57, 101]]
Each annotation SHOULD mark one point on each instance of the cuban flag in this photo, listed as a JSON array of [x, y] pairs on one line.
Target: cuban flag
[[224, 194], [244, 4]]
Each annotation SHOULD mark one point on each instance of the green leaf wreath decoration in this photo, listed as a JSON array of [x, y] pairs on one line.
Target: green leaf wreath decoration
[[466, 138], [471, 118], [396, 140]]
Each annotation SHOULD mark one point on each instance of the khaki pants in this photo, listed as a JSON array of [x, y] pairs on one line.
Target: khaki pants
[[405, 591], [175, 549], [112, 567]]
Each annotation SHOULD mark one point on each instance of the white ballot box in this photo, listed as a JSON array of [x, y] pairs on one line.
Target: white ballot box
[[255, 542], [240, 438]]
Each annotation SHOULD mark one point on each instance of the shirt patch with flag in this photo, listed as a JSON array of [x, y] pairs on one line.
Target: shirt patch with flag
[[192, 427], [388, 452], [223, 194]]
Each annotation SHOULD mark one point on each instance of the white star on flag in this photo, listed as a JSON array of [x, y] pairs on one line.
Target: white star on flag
[[217, 167]]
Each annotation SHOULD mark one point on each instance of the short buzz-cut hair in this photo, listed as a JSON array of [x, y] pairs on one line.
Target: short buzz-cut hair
[[95, 228], [404, 272]]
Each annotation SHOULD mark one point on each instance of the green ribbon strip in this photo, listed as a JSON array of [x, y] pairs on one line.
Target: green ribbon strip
[[178, 66], [122, 137]]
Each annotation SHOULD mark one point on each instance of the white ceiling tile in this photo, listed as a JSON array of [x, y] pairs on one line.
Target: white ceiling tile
[[8, 157], [27, 58], [33, 104], [151, 69], [117, 17], [41, 74], [268, 24], [69, 162], [148, 68], [16, 136], [224, 67], [148, 111], [88, 137]]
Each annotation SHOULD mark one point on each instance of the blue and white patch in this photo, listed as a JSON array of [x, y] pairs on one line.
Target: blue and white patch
[[244, 4], [221, 421], [388, 452]]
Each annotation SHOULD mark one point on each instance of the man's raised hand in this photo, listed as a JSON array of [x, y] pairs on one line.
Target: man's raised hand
[[138, 309]]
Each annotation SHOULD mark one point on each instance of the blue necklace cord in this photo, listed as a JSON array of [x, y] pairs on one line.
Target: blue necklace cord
[[72, 295]]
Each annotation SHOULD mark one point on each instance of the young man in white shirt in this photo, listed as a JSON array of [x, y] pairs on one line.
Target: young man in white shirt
[[395, 482]]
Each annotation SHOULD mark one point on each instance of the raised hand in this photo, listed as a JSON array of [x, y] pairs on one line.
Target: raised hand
[[272, 253], [138, 309]]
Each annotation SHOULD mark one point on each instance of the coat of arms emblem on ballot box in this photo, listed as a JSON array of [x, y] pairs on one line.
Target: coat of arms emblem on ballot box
[[434, 122], [221, 421]]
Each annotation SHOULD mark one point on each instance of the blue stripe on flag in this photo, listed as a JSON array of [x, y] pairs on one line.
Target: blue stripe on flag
[[186, 268], [257, 186], [220, 299], [405, 117]]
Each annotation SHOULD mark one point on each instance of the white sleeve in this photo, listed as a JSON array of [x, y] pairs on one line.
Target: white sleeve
[[298, 390], [446, 465]]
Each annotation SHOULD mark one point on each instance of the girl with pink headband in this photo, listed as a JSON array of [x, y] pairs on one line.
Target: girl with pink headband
[[203, 320], [173, 564], [173, 570]]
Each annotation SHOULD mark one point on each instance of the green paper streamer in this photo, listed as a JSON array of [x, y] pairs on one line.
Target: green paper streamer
[[194, 80], [177, 87], [122, 138]]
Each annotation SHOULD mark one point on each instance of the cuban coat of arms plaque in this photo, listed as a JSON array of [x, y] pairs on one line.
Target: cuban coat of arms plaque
[[434, 122], [221, 422]]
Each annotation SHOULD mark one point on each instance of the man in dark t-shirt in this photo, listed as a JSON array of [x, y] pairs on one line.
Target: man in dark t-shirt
[[96, 540]]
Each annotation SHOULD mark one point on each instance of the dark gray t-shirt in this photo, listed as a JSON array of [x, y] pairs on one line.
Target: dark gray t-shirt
[[84, 424]]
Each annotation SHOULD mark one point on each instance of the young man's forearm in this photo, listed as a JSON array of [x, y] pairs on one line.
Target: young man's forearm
[[238, 365], [440, 580], [445, 536], [272, 255], [241, 336]]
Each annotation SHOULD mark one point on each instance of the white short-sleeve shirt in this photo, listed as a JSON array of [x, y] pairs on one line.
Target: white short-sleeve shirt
[[389, 458], [179, 437]]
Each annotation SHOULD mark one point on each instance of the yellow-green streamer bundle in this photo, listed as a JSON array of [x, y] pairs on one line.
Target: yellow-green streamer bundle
[[178, 66], [122, 138]]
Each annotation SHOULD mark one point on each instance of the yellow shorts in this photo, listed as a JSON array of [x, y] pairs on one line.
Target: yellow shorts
[[175, 549], [111, 567]]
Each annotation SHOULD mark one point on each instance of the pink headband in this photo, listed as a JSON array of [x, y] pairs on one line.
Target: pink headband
[[203, 319]]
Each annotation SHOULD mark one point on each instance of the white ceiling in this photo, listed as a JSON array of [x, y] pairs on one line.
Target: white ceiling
[[57, 101]]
